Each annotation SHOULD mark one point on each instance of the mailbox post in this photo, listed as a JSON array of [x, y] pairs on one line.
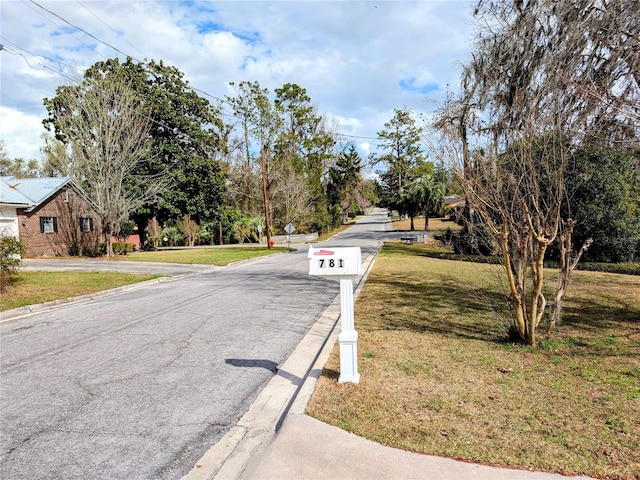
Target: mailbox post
[[345, 263]]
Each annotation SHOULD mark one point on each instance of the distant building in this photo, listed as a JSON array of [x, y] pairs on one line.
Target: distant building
[[454, 204], [48, 215]]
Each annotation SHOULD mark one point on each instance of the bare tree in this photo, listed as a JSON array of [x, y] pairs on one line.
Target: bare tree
[[154, 232], [189, 228], [291, 199], [245, 187], [107, 137], [573, 63], [544, 75]]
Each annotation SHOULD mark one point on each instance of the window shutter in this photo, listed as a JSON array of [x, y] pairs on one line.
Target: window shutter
[[55, 224], [91, 224], [41, 224]]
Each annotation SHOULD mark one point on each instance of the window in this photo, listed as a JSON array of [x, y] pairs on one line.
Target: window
[[86, 224], [48, 225]]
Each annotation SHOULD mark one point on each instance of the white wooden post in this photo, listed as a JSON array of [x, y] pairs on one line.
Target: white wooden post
[[344, 262], [348, 337]]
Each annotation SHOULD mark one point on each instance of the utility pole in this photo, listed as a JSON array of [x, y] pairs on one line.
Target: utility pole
[[265, 196]]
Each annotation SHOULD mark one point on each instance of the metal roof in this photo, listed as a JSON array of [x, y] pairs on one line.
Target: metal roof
[[29, 192]]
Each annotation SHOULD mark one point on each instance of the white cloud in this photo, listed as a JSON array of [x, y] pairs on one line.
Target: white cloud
[[22, 133], [358, 60]]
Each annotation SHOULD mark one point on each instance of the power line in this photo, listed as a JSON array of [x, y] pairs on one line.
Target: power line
[[34, 59], [114, 48], [82, 30], [356, 136], [113, 30], [66, 29], [75, 80]]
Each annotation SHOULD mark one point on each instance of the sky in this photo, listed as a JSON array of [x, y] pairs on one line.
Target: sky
[[357, 60]]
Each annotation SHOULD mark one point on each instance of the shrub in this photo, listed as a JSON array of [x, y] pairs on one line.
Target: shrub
[[628, 268], [122, 248], [11, 251], [209, 234], [446, 237], [473, 242], [173, 237]]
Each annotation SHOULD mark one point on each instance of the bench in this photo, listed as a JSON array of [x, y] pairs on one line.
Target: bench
[[409, 239]]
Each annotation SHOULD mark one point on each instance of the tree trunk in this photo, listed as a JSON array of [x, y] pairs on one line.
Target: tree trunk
[[265, 196], [108, 244], [567, 266]]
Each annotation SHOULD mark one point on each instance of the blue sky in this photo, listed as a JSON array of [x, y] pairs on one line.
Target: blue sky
[[358, 60]]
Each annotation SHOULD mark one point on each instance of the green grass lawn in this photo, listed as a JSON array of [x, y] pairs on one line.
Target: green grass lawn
[[30, 288], [438, 377], [202, 256]]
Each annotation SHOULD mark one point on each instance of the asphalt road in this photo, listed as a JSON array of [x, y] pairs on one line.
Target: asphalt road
[[141, 383]]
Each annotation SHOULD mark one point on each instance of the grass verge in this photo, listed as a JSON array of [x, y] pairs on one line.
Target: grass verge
[[334, 231], [201, 256], [435, 225], [437, 378], [30, 288]]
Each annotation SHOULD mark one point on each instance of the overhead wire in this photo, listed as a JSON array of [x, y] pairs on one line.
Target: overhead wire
[[82, 30], [122, 37], [75, 80], [64, 28], [44, 66], [109, 45]]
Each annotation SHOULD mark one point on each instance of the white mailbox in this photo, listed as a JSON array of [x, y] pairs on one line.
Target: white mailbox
[[338, 261], [346, 263]]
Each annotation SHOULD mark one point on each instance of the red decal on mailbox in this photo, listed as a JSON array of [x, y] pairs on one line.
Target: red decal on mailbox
[[323, 252]]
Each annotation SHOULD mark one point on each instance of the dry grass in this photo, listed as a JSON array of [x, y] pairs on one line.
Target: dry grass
[[435, 225], [437, 377]]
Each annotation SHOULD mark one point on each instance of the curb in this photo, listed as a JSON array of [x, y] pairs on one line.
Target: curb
[[286, 393], [16, 313], [20, 312]]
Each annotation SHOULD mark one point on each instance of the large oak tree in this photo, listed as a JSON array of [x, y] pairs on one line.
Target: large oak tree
[[186, 133]]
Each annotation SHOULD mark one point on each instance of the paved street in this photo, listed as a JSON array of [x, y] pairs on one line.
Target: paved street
[[139, 384]]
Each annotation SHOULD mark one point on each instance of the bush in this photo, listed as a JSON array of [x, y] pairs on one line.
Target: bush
[[446, 237], [173, 237], [122, 248], [476, 242], [11, 251], [622, 268], [207, 234]]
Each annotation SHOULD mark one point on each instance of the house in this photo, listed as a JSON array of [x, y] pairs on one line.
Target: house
[[48, 215], [454, 204]]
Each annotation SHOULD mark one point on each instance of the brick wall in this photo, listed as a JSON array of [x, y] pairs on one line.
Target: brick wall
[[67, 207]]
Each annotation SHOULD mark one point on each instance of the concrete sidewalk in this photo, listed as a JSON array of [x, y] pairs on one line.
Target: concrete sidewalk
[[276, 440], [306, 448]]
